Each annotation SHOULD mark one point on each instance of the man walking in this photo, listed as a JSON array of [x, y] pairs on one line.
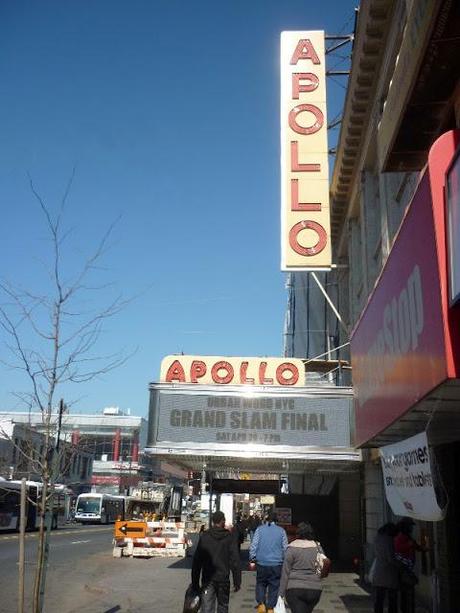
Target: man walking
[[267, 550], [216, 554], [239, 532]]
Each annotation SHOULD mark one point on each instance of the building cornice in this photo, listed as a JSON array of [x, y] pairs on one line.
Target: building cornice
[[368, 51]]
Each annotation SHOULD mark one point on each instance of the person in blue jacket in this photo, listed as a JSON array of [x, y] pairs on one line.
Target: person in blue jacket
[[267, 549]]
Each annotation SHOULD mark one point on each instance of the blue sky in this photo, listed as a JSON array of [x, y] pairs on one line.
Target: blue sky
[[169, 111]]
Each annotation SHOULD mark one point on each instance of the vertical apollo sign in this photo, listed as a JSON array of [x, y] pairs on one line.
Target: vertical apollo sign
[[305, 223]]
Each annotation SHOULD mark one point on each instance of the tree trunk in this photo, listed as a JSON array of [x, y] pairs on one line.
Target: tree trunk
[[22, 537], [37, 604]]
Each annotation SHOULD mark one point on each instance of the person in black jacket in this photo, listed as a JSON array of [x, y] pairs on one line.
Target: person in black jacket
[[216, 554], [239, 530]]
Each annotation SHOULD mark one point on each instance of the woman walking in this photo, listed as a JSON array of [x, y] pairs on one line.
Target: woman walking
[[385, 571], [300, 581]]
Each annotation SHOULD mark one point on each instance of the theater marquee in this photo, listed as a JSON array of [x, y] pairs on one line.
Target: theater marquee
[[264, 422], [305, 221]]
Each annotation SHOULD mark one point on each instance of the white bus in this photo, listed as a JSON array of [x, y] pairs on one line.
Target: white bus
[[99, 508], [10, 502]]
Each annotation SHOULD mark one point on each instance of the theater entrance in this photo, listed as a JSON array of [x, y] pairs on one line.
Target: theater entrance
[[287, 449]]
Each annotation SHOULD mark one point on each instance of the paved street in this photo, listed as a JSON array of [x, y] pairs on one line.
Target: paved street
[[70, 547], [83, 576]]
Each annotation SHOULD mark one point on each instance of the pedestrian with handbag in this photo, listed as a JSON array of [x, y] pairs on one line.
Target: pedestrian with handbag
[[303, 567]]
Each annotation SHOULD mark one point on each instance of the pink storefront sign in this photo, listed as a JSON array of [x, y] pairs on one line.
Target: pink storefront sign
[[398, 346]]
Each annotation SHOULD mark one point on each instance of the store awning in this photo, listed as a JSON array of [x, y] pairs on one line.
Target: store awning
[[438, 412], [406, 345]]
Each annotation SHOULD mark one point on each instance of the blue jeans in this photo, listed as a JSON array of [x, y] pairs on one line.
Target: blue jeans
[[267, 585]]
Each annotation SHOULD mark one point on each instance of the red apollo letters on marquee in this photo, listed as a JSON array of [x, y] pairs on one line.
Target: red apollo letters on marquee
[[223, 373]]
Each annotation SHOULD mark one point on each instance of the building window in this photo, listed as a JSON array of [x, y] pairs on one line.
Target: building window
[[126, 448], [84, 468]]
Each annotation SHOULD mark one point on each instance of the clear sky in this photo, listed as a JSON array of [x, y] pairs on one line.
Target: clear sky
[[169, 110]]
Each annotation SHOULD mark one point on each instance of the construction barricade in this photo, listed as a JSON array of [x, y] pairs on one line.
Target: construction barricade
[[150, 539]]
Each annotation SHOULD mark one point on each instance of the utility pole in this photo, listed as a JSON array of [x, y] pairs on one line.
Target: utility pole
[[22, 538]]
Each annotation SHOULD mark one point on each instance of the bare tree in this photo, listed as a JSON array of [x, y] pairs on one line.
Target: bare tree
[[51, 337]]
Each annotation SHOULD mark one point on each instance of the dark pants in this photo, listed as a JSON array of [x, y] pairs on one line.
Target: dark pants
[[407, 599], [380, 593], [302, 601], [219, 591], [267, 585]]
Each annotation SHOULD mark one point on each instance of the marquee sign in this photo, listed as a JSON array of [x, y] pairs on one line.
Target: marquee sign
[[294, 420], [218, 370], [305, 222]]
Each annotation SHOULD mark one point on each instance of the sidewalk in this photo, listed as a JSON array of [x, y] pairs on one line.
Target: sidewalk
[[341, 593], [103, 584], [158, 586]]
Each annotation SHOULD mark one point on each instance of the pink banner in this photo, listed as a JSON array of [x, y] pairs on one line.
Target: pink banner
[[398, 347]]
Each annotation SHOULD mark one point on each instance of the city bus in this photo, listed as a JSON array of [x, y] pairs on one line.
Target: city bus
[[99, 508], [10, 503]]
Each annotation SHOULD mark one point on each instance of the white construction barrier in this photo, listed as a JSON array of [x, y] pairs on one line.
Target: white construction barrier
[[164, 539]]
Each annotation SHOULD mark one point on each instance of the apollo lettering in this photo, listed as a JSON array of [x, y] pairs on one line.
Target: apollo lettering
[[306, 235], [223, 372], [312, 122]]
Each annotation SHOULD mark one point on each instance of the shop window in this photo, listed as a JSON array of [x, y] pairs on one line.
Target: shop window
[[373, 226]]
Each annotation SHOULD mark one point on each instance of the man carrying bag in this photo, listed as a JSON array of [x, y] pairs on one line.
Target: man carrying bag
[[216, 555]]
